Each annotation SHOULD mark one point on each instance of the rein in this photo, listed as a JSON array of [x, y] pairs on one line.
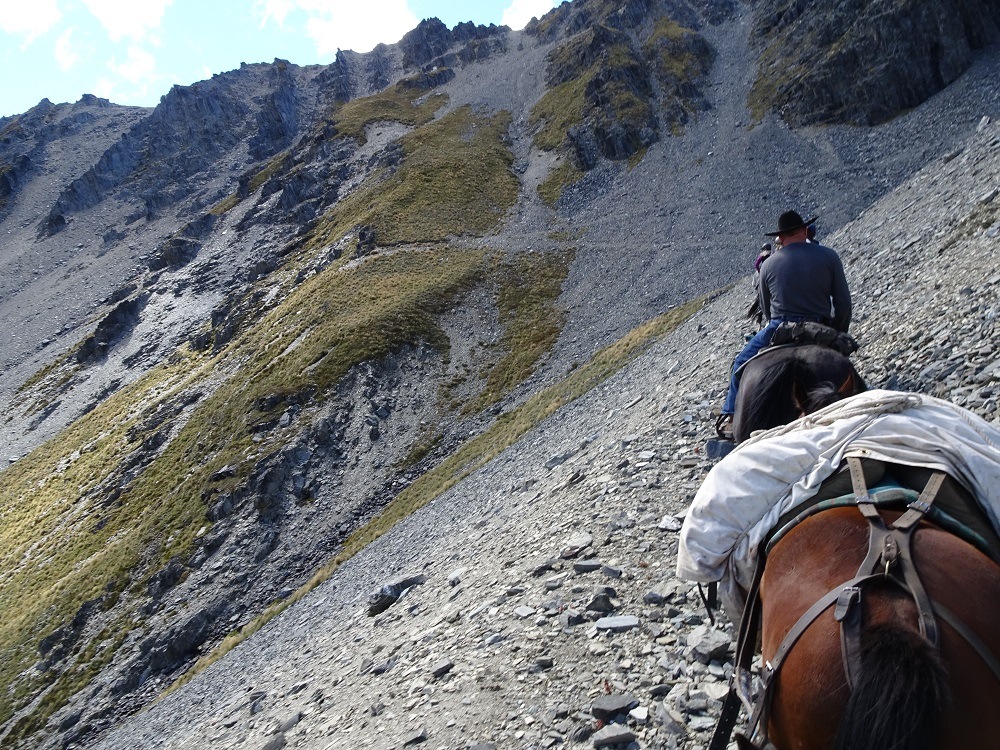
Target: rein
[[888, 559]]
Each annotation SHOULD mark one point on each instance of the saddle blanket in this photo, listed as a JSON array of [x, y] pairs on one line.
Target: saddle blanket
[[774, 471]]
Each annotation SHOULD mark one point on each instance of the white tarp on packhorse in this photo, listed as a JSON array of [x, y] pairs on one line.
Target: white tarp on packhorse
[[746, 493]]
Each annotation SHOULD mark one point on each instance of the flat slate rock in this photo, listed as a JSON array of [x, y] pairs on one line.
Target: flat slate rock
[[618, 624], [612, 734], [607, 707]]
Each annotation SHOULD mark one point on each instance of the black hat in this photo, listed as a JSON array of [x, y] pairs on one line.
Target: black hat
[[789, 222]]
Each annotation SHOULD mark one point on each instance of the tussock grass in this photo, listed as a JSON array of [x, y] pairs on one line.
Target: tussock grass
[[475, 454], [61, 543], [561, 108], [560, 178], [455, 179], [664, 48], [397, 103], [530, 285], [74, 533]]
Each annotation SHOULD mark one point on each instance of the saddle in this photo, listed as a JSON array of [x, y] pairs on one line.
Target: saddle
[[808, 332], [942, 501]]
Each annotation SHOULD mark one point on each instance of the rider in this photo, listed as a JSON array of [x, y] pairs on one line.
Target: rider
[[800, 281]]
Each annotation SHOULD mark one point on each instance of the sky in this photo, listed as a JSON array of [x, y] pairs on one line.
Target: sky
[[133, 51]]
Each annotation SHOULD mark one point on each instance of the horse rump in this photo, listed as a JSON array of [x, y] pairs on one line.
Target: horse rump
[[900, 694]]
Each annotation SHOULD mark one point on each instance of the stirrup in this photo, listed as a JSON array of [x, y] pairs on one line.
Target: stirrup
[[724, 426]]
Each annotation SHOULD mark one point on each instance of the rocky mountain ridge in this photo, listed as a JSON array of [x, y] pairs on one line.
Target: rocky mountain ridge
[[263, 316]]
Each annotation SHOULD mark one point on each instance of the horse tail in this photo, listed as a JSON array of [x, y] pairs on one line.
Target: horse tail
[[900, 693]]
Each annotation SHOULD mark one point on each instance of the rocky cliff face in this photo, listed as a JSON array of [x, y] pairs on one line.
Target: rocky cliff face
[[251, 328], [864, 62]]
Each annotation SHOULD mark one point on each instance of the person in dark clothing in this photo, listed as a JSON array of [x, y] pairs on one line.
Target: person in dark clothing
[[800, 281]]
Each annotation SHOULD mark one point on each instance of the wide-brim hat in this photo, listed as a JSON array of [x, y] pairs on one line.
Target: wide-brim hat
[[789, 222]]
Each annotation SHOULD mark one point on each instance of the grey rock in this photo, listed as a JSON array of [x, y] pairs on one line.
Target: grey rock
[[607, 707], [441, 668], [390, 593], [612, 734], [416, 738], [612, 571], [586, 566], [575, 545], [708, 644], [620, 624], [601, 603]]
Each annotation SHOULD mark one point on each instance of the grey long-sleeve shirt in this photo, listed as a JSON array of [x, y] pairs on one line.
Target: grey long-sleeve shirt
[[803, 280]]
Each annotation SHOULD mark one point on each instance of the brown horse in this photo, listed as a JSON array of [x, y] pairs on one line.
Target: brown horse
[[907, 694], [782, 383]]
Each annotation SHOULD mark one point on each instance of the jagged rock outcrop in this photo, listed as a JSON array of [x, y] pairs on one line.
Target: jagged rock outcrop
[[183, 247], [864, 62], [631, 74], [277, 118], [431, 40], [116, 324]]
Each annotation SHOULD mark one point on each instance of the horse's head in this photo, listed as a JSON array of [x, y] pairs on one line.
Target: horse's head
[[779, 386], [810, 399]]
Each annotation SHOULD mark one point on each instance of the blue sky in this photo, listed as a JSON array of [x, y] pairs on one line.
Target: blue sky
[[133, 51]]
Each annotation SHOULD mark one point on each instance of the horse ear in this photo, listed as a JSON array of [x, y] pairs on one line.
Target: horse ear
[[799, 396], [847, 387]]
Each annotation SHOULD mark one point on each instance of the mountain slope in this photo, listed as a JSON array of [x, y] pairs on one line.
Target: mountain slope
[[498, 640], [248, 319]]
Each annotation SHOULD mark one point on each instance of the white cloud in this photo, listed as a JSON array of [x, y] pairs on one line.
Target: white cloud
[[128, 18], [344, 24], [65, 53], [28, 19], [276, 9], [520, 12], [139, 66]]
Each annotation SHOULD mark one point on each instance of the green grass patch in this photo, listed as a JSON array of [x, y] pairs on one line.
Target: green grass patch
[[561, 177], [669, 49], [599, 74], [473, 455], [399, 103], [455, 179], [530, 285], [558, 110], [60, 544]]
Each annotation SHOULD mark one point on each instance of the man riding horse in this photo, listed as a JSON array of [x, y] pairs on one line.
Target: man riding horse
[[801, 281]]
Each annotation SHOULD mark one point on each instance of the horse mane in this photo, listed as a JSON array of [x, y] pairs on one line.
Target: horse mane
[[902, 674], [770, 405]]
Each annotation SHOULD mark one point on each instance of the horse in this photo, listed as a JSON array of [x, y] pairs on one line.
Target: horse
[[924, 673], [782, 383]]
